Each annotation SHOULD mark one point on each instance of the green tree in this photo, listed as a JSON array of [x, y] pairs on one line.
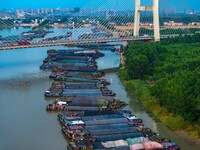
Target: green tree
[[138, 66]]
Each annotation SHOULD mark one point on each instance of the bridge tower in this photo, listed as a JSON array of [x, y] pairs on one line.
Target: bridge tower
[[156, 24]]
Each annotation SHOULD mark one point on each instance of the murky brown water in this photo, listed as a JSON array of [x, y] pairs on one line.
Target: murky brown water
[[137, 108], [24, 122]]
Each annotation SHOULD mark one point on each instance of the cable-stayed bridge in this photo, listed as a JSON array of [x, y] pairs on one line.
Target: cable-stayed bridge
[[113, 21]]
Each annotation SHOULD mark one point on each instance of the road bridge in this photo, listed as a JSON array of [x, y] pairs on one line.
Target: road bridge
[[75, 42]]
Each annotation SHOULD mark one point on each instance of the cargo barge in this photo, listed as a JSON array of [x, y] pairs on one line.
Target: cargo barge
[[91, 116]]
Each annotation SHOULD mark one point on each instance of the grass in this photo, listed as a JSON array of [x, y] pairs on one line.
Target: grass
[[142, 91]]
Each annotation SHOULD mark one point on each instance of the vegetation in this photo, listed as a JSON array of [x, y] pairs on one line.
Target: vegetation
[[31, 19], [165, 76], [43, 25], [103, 21], [187, 18], [127, 18], [168, 31], [9, 23]]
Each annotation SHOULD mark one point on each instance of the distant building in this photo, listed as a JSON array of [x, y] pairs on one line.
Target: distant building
[[33, 24], [36, 21], [43, 10], [20, 14], [51, 10], [28, 25], [112, 23], [173, 23], [38, 11], [129, 23], [194, 24], [32, 12], [146, 24], [107, 15], [87, 25], [59, 25], [41, 20], [46, 11]]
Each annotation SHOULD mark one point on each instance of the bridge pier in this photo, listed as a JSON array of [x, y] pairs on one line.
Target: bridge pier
[[156, 24], [137, 18]]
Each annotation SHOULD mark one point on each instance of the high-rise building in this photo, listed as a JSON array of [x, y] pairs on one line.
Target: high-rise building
[[107, 15], [17, 11], [36, 21], [51, 10], [38, 11], [46, 11], [32, 12], [42, 10], [20, 13]]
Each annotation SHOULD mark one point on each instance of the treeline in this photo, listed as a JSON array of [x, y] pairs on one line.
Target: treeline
[[172, 67], [43, 25], [188, 39], [186, 19], [120, 19], [168, 31], [6, 23]]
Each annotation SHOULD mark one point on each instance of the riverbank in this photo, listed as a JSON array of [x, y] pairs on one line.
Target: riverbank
[[142, 91]]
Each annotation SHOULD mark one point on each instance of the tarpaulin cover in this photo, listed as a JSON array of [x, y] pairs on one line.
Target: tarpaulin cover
[[94, 113], [147, 146], [121, 148], [75, 68], [89, 103], [107, 126], [118, 137], [139, 140], [79, 86], [75, 127], [101, 117], [106, 121], [79, 108], [112, 144], [112, 131], [92, 97]]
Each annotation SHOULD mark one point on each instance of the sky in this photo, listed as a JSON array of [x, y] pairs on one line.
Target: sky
[[96, 4]]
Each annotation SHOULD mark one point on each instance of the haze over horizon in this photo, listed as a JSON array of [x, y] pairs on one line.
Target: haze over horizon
[[96, 4]]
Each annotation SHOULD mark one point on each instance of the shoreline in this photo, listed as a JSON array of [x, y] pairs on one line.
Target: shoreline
[[108, 70], [182, 132]]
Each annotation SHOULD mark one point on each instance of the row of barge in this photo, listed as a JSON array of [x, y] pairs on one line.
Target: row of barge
[[39, 37], [24, 38], [27, 38], [90, 115]]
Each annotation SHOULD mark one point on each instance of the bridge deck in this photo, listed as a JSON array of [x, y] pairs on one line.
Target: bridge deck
[[33, 45]]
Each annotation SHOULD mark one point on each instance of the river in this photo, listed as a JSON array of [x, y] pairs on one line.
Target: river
[[24, 122]]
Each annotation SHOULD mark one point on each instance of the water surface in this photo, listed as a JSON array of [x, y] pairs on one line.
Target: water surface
[[24, 122]]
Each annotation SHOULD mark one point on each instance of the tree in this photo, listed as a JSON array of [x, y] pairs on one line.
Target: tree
[[179, 94], [76, 10], [138, 66]]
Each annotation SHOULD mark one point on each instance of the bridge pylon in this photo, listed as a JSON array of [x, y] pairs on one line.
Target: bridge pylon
[[156, 23]]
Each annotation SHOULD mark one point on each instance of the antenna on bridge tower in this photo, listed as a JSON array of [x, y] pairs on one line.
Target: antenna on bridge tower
[[156, 24]]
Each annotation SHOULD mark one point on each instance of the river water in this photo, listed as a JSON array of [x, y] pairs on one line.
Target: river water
[[24, 122]]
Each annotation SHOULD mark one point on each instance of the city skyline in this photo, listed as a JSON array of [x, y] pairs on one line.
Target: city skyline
[[100, 4]]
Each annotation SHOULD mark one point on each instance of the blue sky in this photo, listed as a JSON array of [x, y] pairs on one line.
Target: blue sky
[[102, 4]]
